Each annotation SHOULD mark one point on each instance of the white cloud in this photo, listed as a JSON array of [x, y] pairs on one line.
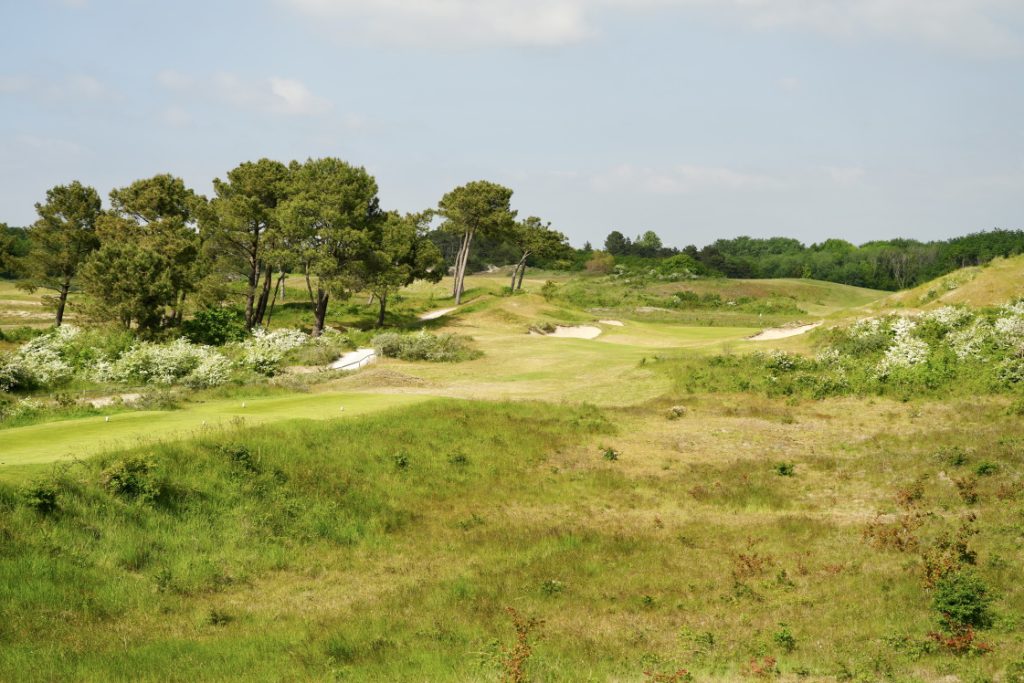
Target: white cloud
[[982, 27], [273, 95], [456, 23], [176, 117], [78, 87], [681, 179]]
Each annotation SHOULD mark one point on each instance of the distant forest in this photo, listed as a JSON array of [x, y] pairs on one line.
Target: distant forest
[[887, 264]]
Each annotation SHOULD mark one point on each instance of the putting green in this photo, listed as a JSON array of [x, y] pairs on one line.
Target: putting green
[[70, 439]]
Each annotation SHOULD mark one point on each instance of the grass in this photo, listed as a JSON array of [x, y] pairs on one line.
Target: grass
[[78, 438], [734, 526], [387, 547]]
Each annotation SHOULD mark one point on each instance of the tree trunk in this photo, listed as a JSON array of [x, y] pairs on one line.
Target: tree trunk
[[518, 271], [261, 307], [278, 287], [179, 312], [383, 298], [320, 312], [62, 301], [250, 294], [309, 288], [460, 267]]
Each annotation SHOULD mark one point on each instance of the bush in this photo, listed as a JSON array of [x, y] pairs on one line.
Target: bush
[[133, 479], [166, 364], [962, 599], [264, 351], [441, 348], [41, 495], [215, 326]]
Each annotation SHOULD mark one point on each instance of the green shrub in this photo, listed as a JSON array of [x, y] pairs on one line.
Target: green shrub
[[441, 348], [133, 478], [785, 639], [962, 599], [785, 469], [41, 495], [215, 326]]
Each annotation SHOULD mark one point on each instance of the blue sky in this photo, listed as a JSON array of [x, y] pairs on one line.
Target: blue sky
[[699, 119]]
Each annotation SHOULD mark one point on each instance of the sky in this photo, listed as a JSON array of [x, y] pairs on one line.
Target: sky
[[698, 119]]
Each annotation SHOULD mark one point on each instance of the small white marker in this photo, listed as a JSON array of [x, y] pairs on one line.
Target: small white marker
[[342, 409], [243, 404], [106, 419]]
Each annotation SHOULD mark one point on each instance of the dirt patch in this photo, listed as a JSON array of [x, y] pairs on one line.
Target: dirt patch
[[382, 377], [613, 323]]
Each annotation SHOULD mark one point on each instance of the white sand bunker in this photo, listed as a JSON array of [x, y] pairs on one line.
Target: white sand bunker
[[574, 332], [105, 401], [434, 315], [353, 360], [613, 323], [783, 332]]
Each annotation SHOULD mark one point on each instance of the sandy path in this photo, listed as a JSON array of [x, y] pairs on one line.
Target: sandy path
[[353, 360], [434, 315], [783, 332], [613, 323]]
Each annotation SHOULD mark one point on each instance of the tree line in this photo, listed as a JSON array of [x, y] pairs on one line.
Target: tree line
[[160, 247], [889, 264]]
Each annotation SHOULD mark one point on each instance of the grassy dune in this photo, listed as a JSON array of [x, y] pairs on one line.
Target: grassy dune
[[622, 493]]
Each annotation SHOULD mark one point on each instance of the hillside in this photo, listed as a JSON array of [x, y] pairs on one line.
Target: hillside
[[993, 284]]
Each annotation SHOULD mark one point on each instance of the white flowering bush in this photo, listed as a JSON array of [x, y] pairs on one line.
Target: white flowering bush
[[178, 361], [949, 317], [264, 351], [40, 362], [969, 343]]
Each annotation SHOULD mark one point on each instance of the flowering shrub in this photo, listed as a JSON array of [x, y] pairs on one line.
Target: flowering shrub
[[179, 361], [905, 351], [264, 351]]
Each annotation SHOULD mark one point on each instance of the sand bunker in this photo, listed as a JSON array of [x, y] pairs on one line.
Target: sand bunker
[[613, 323], [353, 360], [574, 332], [105, 401], [434, 315], [782, 332]]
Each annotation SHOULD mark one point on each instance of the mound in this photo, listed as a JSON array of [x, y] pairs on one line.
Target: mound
[[1000, 281]]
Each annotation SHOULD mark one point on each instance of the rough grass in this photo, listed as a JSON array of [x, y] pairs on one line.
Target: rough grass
[[387, 548], [993, 284]]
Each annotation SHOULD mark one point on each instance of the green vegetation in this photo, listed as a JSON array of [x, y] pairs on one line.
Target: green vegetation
[[188, 493]]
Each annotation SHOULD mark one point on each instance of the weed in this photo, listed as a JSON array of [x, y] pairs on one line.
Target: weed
[[515, 657], [610, 454], [785, 639], [967, 487], [766, 667], [552, 587], [986, 469], [400, 461], [785, 469], [898, 533]]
